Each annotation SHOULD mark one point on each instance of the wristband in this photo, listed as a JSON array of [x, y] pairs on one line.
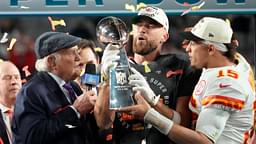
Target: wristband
[[159, 121], [176, 117]]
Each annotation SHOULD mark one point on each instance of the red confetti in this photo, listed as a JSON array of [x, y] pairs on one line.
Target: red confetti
[[27, 72]]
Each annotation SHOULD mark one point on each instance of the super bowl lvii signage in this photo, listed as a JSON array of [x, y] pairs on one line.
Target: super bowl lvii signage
[[106, 7]]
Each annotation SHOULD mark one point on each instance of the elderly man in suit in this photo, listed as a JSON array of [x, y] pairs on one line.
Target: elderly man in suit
[[51, 108], [10, 84]]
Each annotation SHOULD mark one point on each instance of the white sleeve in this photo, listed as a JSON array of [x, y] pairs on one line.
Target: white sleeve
[[211, 122]]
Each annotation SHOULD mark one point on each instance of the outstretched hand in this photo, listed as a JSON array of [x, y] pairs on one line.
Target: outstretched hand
[[109, 59], [140, 84], [139, 110]]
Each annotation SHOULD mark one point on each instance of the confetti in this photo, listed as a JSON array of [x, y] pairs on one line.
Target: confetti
[[24, 7], [186, 12], [55, 23], [13, 41], [98, 49], [4, 39], [146, 67], [193, 8], [140, 5], [198, 7], [130, 7], [134, 8], [25, 69]]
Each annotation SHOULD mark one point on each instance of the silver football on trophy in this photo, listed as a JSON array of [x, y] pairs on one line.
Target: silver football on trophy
[[112, 30]]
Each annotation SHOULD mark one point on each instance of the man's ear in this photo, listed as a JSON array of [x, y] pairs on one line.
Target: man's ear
[[165, 37], [211, 49], [51, 61]]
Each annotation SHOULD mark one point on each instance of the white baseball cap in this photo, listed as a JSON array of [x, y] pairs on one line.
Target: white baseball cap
[[211, 29], [154, 13]]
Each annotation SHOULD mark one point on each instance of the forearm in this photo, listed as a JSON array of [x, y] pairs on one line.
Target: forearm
[[175, 132], [163, 109], [104, 117], [182, 114], [180, 134], [167, 112], [182, 107]]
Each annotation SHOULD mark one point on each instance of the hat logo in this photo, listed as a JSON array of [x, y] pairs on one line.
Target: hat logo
[[149, 9], [210, 35]]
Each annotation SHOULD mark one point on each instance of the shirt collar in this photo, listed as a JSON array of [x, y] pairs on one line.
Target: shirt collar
[[60, 81], [4, 108]]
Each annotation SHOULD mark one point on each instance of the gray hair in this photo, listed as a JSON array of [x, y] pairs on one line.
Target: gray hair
[[41, 64]]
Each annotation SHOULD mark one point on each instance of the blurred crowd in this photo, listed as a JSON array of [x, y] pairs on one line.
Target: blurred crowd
[[26, 28]]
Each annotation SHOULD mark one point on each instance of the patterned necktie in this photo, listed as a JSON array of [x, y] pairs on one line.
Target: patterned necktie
[[71, 92]]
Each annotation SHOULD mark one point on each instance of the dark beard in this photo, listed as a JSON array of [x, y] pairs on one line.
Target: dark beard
[[149, 48]]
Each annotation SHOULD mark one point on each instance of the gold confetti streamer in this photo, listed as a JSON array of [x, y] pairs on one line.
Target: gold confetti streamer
[[198, 7], [146, 67], [140, 5], [55, 23], [130, 7], [134, 8], [13, 41], [193, 8]]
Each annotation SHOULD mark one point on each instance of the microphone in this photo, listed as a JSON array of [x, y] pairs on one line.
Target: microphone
[[90, 79]]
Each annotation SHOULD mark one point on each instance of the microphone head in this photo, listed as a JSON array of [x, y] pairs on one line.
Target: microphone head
[[90, 69], [90, 77]]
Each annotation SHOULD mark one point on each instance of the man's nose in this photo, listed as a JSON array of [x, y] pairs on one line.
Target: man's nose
[[188, 47]]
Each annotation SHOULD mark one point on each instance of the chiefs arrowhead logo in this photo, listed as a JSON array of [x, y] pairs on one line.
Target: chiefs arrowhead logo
[[221, 85], [171, 73]]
